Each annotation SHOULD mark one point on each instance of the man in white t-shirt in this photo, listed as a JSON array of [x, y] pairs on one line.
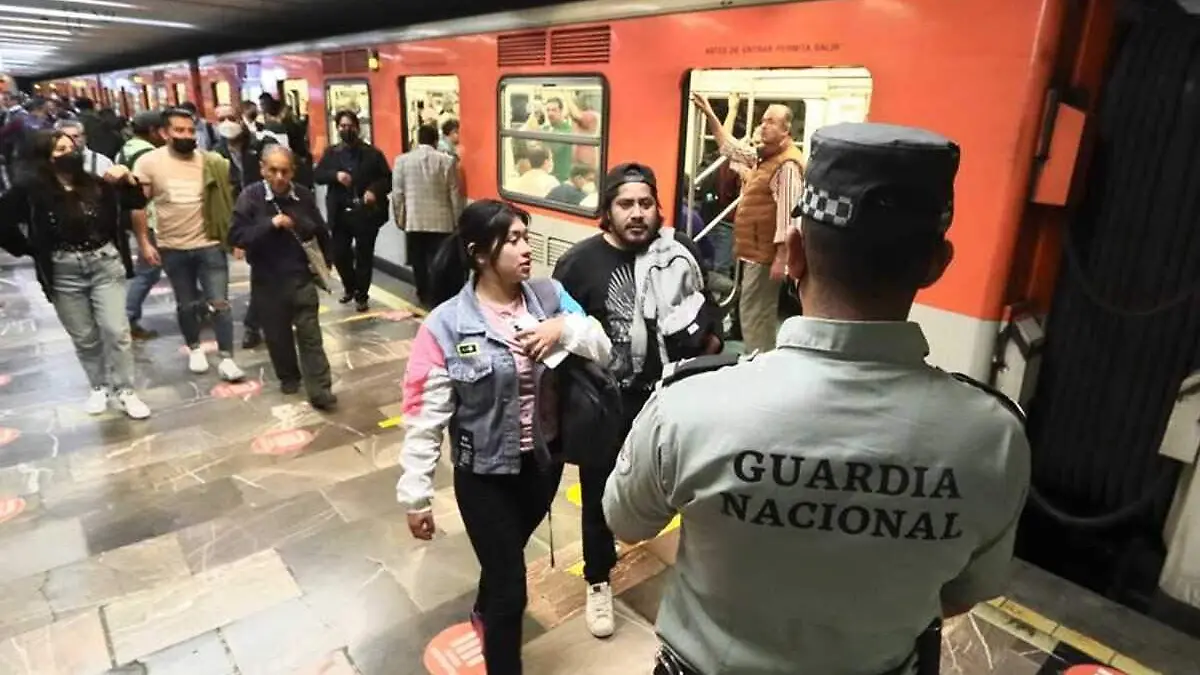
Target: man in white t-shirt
[[187, 187]]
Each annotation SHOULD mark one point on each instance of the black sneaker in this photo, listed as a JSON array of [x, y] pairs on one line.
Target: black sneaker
[[252, 339], [325, 400], [139, 333], [362, 306], [289, 388], [346, 298]]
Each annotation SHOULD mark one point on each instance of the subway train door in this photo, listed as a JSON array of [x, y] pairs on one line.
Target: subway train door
[[709, 188]]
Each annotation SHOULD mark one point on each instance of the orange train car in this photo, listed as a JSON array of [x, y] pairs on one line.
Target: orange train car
[[977, 71]]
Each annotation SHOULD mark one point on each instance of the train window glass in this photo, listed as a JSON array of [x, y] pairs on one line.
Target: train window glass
[[552, 141], [181, 93], [710, 189], [428, 99], [222, 93], [352, 95]]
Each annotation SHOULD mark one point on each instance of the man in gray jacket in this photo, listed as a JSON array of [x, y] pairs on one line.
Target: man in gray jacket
[[427, 202], [839, 495]]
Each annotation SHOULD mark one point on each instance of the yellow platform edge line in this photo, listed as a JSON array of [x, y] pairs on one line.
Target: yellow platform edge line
[[1021, 615]]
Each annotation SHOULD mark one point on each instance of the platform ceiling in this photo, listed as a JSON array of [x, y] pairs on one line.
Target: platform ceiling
[[53, 38]]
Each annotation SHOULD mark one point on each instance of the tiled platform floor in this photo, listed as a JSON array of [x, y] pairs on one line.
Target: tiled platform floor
[[242, 532]]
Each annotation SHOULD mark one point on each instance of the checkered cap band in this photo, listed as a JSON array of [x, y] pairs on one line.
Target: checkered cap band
[[827, 208]]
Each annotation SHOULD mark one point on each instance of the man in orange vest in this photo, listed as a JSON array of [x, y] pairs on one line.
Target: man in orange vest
[[762, 219]]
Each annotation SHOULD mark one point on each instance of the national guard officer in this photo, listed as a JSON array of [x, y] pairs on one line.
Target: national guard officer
[[838, 494]]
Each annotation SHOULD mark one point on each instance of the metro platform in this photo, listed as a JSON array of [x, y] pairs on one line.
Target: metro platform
[[237, 531]]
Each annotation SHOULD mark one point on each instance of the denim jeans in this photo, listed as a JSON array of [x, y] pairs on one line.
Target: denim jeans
[[89, 298], [200, 280], [145, 276]]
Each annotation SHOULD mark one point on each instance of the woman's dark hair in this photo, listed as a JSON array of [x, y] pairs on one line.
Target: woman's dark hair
[[482, 227], [39, 170], [347, 114]]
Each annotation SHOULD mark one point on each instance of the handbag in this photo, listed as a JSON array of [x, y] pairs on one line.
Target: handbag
[[316, 257]]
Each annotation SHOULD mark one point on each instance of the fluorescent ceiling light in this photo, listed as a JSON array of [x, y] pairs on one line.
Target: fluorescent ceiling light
[[6, 28], [67, 14], [102, 3], [34, 39], [49, 22]]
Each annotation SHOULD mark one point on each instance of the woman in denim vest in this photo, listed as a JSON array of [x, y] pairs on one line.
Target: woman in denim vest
[[481, 367], [69, 222]]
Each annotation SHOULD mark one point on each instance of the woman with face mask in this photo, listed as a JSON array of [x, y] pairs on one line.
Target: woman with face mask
[[481, 367], [68, 221]]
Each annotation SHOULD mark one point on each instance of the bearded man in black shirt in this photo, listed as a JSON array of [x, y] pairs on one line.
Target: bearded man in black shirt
[[645, 283]]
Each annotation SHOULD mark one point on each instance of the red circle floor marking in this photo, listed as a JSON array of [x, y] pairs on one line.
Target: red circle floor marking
[[1092, 669], [5, 380], [397, 315], [8, 435], [208, 347], [11, 507], [455, 651], [281, 441], [236, 389]]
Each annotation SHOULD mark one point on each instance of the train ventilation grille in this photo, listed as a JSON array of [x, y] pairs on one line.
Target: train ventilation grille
[[555, 249], [573, 46], [521, 49], [537, 242]]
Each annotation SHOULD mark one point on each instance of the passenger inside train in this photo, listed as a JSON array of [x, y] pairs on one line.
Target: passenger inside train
[[682, 338]]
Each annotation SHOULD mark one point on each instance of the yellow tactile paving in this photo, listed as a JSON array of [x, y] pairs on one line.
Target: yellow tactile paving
[[1085, 644], [1028, 616], [1130, 667], [1015, 627]]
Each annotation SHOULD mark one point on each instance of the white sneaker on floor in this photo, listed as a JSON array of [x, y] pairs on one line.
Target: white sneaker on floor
[[198, 361], [600, 619], [97, 402], [230, 372], [129, 403]]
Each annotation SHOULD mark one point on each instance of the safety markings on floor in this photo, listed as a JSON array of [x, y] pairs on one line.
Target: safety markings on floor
[[1049, 636], [575, 496], [455, 651]]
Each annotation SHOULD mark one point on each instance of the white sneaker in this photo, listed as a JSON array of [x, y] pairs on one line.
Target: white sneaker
[[600, 619], [230, 372], [198, 361], [129, 403], [97, 403]]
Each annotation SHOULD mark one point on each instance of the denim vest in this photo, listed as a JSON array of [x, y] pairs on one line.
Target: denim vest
[[485, 431]]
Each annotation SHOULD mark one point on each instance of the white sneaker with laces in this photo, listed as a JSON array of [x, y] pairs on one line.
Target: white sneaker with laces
[[97, 402], [600, 619], [129, 403], [230, 372], [198, 361]]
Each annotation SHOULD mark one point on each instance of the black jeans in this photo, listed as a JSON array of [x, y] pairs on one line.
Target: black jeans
[[251, 322], [287, 311], [599, 544], [421, 248], [500, 513], [354, 254]]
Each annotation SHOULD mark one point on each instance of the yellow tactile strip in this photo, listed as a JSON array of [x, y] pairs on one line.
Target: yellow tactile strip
[[1046, 634]]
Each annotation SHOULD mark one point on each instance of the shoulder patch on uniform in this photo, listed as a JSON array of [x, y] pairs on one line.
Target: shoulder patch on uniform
[[995, 393], [467, 349], [681, 370]]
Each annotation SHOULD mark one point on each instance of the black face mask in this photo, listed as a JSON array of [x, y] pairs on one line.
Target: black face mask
[[184, 146], [348, 136], [71, 163]]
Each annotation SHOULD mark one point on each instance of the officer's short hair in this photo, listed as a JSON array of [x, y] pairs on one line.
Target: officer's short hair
[[427, 134], [863, 265]]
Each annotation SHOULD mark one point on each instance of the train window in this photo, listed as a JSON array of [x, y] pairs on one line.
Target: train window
[[181, 92], [709, 187], [427, 99], [552, 141], [352, 95]]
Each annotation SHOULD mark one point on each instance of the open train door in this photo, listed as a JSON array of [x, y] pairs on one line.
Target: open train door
[[709, 188], [1123, 334]]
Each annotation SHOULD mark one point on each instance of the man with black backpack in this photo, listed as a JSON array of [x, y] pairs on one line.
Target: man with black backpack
[[147, 135], [645, 283]]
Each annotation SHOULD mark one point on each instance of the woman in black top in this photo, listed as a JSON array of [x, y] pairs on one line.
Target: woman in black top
[[69, 222]]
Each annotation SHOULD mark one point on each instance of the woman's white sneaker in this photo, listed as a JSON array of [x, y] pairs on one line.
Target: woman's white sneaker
[[230, 372], [198, 361], [97, 402], [129, 403]]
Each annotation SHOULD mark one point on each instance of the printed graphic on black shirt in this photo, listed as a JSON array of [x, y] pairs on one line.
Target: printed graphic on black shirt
[[618, 304]]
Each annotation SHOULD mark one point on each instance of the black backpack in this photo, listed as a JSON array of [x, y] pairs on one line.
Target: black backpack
[[591, 414]]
